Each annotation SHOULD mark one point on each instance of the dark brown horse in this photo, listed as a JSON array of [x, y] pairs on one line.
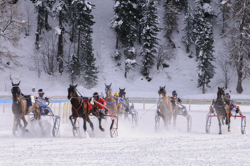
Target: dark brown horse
[[222, 109], [20, 109], [113, 105], [80, 108], [165, 105]]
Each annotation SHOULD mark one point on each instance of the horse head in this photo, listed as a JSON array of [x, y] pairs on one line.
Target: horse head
[[220, 93], [16, 91], [72, 91], [108, 90], [162, 91], [122, 93]]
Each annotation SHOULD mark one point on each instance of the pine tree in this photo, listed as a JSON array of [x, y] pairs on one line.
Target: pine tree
[[141, 8], [61, 11], [149, 36], [239, 40], [170, 19], [225, 7], [125, 23], [72, 68], [43, 8], [203, 31], [205, 67], [90, 70], [188, 30]]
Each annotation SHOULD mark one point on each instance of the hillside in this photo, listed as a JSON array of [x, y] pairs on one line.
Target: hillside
[[181, 75]]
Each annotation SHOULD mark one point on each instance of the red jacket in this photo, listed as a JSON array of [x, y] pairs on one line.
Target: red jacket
[[102, 101]]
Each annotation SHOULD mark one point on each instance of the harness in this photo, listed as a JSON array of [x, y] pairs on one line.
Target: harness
[[78, 107]]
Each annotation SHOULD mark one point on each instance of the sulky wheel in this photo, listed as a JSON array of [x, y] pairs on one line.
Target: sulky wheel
[[56, 127], [76, 129], [189, 123], [207, 129], [113, 129], [134, 118], [243, 130]]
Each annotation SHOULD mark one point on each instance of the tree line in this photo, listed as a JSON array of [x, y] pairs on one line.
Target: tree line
[[136, 25]]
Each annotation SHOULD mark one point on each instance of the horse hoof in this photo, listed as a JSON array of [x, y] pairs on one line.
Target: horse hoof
[[229, 130], [220, 132], [102, 129]]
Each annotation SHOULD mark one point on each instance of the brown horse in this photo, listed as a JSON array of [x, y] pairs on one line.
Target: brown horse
[[165, 105], [80, 108], [113, 104], [222, 109], [20, 109]]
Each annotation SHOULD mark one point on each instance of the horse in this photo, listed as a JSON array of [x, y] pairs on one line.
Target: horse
[[122, 94], [113, 104], [80, 108], [222, 109], [165, 105], [20, 109]]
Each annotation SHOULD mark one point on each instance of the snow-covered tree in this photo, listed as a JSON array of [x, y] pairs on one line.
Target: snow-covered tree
[[61, 11], [11, 24], [188, 30], [171, 12], [150, 31], [203, 31], [125, 23], [90, 69], [43, 8], [225, 8], [72, 67], [239, 40]]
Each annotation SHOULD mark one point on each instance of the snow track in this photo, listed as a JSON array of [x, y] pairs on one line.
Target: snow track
[[140, 145]]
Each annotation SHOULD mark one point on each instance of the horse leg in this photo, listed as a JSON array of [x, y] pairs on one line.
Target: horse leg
[[100, 124], [25, 123], [174, 119], [73, 124], [90, 123], [228, 123], [219, 124]]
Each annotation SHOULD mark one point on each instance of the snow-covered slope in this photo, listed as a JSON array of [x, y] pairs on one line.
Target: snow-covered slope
[[180, 76]]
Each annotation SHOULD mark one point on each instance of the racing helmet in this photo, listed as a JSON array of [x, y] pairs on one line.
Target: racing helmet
[[116, 94], [40, 91], [174, 93], [96, 94], [228, 95]]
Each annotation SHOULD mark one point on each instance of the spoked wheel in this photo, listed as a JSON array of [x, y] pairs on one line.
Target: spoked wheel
[[157, 120], [134, 118], [76, 130], [243, 130], [207, 129], [189, 123], [113, 129], [56, 131]]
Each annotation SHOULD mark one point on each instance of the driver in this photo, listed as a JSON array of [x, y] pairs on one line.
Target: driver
[[42, 101], [101, 108]]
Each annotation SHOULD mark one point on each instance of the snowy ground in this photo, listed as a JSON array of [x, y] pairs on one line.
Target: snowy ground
[[140, 145]]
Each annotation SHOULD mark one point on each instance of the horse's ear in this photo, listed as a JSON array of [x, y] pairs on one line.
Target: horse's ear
[[12, 83], [119, 89], [76, 85], [110, 84], [105, 84], [164, 86], [223, 88], [18, 83], [218, 87]]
